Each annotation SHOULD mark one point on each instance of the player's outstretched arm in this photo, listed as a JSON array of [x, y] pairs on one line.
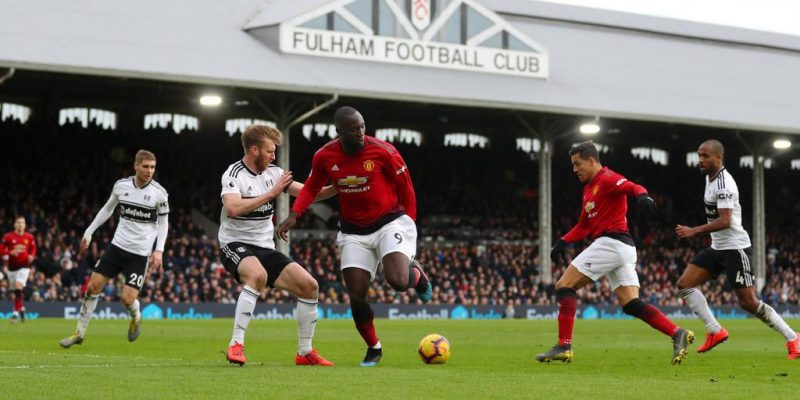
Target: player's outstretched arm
[[102, 216], [579, 231], [31, 251], [405, 188], [723, 222], [308, 192], [325, 193], [4, 253], [645, 206], [237, 206], [156, 259], [558, 252], [287, 225]]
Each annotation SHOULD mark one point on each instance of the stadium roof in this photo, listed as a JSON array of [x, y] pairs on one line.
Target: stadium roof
[[601, 62]]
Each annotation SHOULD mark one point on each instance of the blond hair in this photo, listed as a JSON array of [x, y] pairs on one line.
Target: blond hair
[[255, 134], [142, 155]]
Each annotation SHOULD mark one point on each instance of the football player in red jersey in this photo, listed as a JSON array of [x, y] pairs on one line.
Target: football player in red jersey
[[378, 210], [19, 251], [612, 253]]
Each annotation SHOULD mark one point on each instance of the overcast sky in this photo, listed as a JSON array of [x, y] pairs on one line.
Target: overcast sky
[[781, 16]]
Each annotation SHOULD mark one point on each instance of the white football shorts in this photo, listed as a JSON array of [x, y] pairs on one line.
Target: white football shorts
[[20, 275], [609, 257], [367, 251]]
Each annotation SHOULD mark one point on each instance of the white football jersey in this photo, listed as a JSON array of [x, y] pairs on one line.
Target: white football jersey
[[256, 227], [722, 192], [139, 208]]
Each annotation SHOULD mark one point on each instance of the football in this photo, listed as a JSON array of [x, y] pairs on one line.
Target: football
[[434, 349]]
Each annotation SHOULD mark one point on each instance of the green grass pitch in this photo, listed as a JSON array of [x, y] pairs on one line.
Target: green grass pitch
[[490, 359]]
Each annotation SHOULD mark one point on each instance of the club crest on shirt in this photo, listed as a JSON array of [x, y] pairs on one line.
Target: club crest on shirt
[[369, 165], [595, 189]]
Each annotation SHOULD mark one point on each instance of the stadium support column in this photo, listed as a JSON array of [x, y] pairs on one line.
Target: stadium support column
[[759, 223], [546, 134], [287, 113], [758, 237], [545, 210]]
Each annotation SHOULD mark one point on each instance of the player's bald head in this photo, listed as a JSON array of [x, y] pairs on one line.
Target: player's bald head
[[710, 156], [343, 114], [714, 147]]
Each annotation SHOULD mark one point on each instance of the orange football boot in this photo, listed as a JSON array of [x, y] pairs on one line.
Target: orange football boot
[[236, 354], [713, 339], [312, 358], [794, 348]]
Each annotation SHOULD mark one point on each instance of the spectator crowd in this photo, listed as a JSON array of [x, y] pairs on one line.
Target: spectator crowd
[[478, 221]]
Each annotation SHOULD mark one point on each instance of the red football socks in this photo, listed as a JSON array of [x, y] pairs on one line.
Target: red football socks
[[566, 314], [364, 318]]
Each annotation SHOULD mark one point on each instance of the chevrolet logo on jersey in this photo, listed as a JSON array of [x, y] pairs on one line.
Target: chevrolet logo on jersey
[[352, 181]]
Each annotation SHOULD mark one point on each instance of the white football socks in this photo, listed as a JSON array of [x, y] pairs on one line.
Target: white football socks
[[133, 310], [769, 316], [87, 308], [306, 324], [697, 302], [244, 312]]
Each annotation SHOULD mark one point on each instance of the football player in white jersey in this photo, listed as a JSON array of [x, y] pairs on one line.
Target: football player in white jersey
[[246, 235], [729, 254], [143, 208]]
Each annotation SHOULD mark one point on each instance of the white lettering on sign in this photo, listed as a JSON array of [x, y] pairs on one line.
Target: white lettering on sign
[[411, 52], [417, 37]]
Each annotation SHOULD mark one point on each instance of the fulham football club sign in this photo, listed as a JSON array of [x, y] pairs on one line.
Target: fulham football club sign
[[459, 34]]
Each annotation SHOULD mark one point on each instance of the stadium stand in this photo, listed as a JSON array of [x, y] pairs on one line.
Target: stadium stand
[[478, 226]]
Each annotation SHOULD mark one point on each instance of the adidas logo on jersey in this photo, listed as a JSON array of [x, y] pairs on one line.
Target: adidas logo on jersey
[[335, 167]]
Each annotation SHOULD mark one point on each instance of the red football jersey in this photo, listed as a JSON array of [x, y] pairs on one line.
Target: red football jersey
[[374, 184], [23, 244], [605, 203]]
